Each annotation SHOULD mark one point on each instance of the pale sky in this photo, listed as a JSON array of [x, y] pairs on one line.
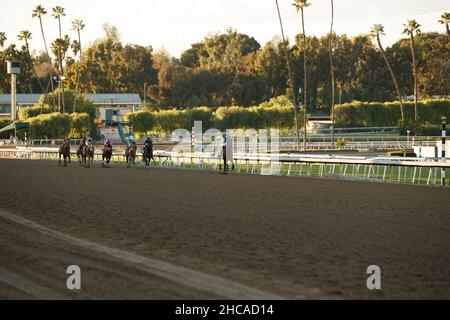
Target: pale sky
[[176, 24]]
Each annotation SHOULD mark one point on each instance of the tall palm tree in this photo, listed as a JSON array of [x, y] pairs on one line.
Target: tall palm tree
[[60, 47], [58, 12], [377, 31], [39, 12], [291, 76], [445, 20], [300, 5], [77, 25], [332, 74], [2, 39], [411, 29]]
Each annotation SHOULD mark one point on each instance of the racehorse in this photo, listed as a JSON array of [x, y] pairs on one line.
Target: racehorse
[[147, 154], [64, 151], [81, 153], [130, 153], [106, 155], [89, 154]]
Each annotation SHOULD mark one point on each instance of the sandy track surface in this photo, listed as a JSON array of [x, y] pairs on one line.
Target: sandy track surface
[[167, 234]]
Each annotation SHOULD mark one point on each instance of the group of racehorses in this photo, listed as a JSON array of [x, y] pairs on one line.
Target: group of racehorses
[[86, 151]]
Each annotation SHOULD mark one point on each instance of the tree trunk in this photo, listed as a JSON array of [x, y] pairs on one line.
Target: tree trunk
[[78, 74], [393, 79], [50, 63], [61, 84], [305, 99], [332, 74], [413, 53], [291, 78]]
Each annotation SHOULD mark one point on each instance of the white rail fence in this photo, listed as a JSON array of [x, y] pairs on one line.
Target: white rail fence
[[425, 171]]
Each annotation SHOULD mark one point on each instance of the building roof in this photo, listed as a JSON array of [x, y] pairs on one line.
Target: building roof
[[21, 98], [97, 98]]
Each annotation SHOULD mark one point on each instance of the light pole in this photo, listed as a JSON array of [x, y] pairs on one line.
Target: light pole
[[13, 68], [59, 79]]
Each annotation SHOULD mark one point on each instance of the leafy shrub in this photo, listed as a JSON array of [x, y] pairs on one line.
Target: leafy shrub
[[57, 125], [374, 114]]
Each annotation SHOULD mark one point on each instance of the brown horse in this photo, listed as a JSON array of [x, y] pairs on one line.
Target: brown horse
[[89, 154], [106, 155], [81, 153], [130, 153], [64, 151], [147, 154]]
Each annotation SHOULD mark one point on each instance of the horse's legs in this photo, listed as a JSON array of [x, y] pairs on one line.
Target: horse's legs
[[59, 160]]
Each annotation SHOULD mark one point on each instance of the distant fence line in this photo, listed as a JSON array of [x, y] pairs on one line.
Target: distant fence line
[[423, 171]]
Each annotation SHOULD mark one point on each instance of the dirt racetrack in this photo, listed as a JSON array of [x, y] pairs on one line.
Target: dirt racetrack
[[181, 234]]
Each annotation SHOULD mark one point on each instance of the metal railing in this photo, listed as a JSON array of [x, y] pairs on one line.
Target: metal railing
[[422, 171]]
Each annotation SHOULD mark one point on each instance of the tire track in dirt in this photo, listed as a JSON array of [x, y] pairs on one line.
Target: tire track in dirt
[[183, 276]]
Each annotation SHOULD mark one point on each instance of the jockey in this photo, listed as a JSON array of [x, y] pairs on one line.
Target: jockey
[[89, 140], [66, 140], [148, 142], [108, 143], [133, 145]]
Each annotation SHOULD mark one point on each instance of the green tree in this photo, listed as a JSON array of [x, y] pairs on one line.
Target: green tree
[[300, 5], [25, 36], [60, 47], [376, 32], [411, 29]]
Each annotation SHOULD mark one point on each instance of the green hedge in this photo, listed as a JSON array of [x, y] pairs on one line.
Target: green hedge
[[169, 120], [280, 117], [364, 114], [56, 125], [273, 114]]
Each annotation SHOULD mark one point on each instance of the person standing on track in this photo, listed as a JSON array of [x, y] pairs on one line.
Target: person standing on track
[[227, 152]]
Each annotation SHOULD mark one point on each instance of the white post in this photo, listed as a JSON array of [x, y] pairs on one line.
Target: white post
[[443, 150]]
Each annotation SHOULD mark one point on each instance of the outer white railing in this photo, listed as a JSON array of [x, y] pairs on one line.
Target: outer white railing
[[387, 169]]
